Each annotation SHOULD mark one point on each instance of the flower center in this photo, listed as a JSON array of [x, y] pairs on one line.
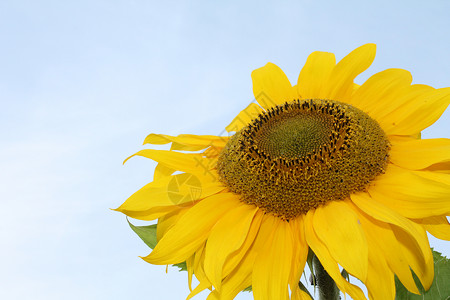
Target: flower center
[[302, 154]]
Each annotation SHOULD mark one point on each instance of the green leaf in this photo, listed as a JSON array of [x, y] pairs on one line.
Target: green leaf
[[248, 289], [182, 266], [146, 233], [345, 274], [303, 288], [309, 261], [439, 290]]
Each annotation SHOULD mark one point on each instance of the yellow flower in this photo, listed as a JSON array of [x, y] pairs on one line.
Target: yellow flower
[[325, 164]]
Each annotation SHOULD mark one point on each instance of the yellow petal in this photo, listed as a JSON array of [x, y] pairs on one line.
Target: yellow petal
[[438, 226], [419, 154], [167, 193], [273, 264], [214, 295], [166, 222], [439, 168], [200, 288], [151, 214], [380, 279], [199, 261], [244, 117], [235, 259], [380, 212], [234, 284], [327, 261], [422, 266], [383, 242], [264, 236], [425, 111], [158, 193], [162, 171], [204, 284], [239, 279], [271, 86], [138, 201], [380, 92], [191, 230], [401, 102], [189, 142], [300, 254], [395, 139], [298, 294], [186, 162], [314, 75], [340, 83], [227, 236], [410, 194], [441, 177], [190, 270], [239, 273], [338, 227]]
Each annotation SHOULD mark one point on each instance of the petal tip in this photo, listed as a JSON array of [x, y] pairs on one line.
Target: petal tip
[[371, 46]]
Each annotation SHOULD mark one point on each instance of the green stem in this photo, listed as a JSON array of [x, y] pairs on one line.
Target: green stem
[[327, 288]]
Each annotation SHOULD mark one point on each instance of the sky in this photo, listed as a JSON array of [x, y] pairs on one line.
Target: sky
[[83, 82]]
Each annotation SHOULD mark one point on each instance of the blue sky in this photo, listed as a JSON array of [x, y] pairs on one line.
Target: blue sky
[[83, 82]]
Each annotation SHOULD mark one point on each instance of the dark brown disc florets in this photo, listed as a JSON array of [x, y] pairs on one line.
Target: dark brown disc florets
[[299, 155]]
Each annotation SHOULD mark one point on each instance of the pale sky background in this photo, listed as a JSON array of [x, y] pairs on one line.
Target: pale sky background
[[83, 82]]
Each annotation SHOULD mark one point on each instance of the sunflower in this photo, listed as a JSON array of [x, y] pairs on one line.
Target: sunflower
[[325, 165]]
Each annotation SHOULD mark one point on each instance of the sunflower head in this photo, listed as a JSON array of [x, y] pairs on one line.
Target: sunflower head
[[326, 165]]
